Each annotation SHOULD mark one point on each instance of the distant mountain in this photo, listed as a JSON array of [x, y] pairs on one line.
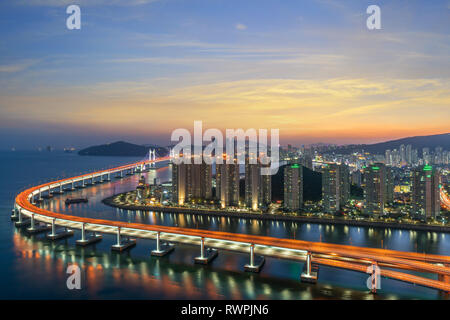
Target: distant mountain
[[418, 142], [121, 149]]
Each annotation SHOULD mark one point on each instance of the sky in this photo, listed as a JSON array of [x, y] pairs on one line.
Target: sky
[[138, 69]]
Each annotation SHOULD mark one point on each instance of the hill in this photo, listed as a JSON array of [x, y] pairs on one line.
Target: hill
[[418, 142], [312, 185], [121, 149]]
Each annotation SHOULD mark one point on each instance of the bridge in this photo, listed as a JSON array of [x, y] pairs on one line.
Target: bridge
[[389, 263]]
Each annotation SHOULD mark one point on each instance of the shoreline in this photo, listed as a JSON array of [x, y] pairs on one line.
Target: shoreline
[[283, 218]]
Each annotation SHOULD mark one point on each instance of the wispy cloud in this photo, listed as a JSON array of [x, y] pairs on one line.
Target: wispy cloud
[[16, 67], [240, 26]]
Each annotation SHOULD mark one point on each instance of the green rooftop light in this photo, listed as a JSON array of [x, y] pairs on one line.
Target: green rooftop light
[[376, 168], [427, 168], [295, 166]]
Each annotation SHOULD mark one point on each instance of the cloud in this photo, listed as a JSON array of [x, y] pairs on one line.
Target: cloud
[[321, 108], [240, 26], [16, 67]]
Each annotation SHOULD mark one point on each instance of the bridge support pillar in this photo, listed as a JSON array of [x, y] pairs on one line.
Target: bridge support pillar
[[120, 245], [22, 222], [161, 249], [72, 186], [310, 271], [255, 265], [206, 255], [108, 177], [86, 240], [36, 228], [53, 235], [15, 215]]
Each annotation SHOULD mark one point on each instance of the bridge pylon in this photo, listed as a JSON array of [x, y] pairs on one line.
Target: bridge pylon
[[310, 271]]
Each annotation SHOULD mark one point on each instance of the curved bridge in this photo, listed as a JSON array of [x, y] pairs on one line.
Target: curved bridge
[[360, 259]]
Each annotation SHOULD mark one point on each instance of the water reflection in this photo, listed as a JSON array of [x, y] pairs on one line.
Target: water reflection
[[108, 275], [279, 279]]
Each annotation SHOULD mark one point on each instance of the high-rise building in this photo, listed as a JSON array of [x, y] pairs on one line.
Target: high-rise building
[[425, 192], [426, 156], [227, 184], [409, 154], [378, 188], [388, 157], [293, 187], [414, 157], [258, 190], [191, 182], [356, 177], [335, 186]]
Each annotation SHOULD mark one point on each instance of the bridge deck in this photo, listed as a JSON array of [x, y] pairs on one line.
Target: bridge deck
[[340, 256]]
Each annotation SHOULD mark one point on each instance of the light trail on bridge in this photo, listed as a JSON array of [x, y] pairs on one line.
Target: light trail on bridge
[[340, 256]]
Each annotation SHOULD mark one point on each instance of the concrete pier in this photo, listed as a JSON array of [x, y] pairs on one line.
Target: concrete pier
[[206, 255], [72, 186], [310, 271], [36, 228], [122, 245], [59, 191], [82, 185], [87, 240], [23, 222], [14, 214], [162, 249], [89, 183], [256, 263], [55, 235]]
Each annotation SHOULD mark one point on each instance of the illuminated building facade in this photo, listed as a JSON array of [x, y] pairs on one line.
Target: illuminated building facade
[[425, 192], [227, 184], [258, 190], [293, 187], [378, 188], [335, 186], [191, 182]]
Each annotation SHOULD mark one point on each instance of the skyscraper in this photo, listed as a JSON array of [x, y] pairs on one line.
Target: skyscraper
[[191, 182], [408, 154], [227, 184], [293, 187], [425, 192], [335, 186], [388, 157], [378, 188], [258, 190]]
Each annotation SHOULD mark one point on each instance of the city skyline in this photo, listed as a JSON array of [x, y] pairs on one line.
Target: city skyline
[[311, 69]]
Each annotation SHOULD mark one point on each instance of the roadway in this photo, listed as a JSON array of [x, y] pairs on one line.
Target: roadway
[[334, 255]]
